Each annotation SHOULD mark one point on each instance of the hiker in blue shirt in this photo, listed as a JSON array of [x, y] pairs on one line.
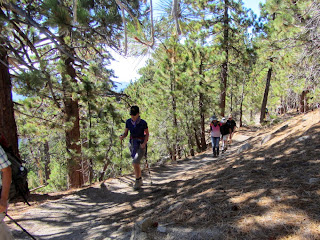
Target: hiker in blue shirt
[[139, 136]]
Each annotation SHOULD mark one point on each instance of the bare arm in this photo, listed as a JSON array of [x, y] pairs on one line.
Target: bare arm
[[124, 135], [146, 138], [6, 182]]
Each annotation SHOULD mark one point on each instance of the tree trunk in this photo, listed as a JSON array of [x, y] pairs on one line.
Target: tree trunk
[[224, 73], [265, 96], [174, 113], [241, 103], [75, 170], [8, 125], [189, 135], [302, 101], [104, 170], [197, 139], [46, 160], [201, 108]]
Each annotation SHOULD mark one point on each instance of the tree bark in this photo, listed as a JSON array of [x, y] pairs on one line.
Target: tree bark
[[46, 160], [265, 96], [174, 111], [241, 103], [304, 101], [224, 73], [8, 125], [75, 167], [201, 108], [197, 139]]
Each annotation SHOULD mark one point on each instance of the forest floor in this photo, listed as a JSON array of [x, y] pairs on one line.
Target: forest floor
[[266, 186]]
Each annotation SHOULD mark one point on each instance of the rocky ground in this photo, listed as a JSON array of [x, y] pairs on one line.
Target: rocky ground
[[266, 186]]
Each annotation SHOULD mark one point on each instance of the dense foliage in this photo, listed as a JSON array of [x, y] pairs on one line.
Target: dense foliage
[[208, 57]]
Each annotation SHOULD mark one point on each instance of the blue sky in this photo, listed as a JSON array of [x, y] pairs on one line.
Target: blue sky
[[126, 68]]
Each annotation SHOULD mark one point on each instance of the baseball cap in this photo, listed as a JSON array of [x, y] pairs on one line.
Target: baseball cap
[[134, 110], [213, 118]]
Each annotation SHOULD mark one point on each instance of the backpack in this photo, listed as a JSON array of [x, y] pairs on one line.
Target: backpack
[[19, 184]]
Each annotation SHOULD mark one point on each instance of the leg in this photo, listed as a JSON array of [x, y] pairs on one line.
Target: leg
[[217, 144], [223, 143], [137, 170], [5, 233], [213, 145]]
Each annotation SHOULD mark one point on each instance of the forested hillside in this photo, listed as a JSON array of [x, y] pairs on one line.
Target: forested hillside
[[206, 58]]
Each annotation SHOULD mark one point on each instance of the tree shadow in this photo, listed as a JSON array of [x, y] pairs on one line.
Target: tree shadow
[[257, 194]]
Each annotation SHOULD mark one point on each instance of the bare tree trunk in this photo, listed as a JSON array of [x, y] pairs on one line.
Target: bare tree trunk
[[104, 170], [174, 111], [303, 101], [38, 163], [224, 73], [265, 96], [190, 141], [8, 125], [197, 139], [201, 109], [241, 103], [46, 161], [75, 170]]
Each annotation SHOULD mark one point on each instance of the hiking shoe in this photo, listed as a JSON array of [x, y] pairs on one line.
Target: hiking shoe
[[138, 184]]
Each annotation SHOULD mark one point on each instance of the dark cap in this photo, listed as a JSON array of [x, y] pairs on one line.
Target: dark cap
[[134, 110]]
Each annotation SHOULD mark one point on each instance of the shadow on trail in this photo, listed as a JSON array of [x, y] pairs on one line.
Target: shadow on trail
[[258, 194]]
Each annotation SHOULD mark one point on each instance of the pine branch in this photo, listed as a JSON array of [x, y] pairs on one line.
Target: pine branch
[[44, 30]]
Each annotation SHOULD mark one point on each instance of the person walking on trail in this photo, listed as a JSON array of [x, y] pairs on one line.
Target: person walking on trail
[[232, 125], [5, 183], [139, 136], [215, 135], [225, 132]]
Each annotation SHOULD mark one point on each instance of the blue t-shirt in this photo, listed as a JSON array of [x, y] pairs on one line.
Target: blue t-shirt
[[136, 128]]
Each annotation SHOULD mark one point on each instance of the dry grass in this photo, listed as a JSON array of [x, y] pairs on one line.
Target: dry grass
[[263, 193]]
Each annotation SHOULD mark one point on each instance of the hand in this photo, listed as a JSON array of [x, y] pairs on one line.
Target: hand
[[121, 137], [143, 145]]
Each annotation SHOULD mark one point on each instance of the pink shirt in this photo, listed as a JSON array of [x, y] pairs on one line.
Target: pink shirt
[[215, 130]]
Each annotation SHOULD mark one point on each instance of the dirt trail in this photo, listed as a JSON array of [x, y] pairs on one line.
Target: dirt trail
[[256, 194], [97, 212]]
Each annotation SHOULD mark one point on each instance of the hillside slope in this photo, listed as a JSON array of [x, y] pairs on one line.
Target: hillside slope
[[266, 186]]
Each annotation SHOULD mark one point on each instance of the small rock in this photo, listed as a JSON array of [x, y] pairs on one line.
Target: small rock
[[266, 139], [282, 128], [173, 207], [244, 147], [145, 224], [314, 180], [303, 138], [162, 229]]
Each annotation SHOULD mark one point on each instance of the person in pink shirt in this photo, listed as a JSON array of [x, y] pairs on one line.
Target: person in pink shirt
[[215, 135]]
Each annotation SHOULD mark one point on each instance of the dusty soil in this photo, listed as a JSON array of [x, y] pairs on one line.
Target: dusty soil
[[270, 191]]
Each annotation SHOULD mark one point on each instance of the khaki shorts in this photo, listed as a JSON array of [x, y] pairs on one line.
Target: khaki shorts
[[139, 155], [225, 137]]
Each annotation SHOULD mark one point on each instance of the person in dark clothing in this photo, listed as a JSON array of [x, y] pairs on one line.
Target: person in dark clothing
[[225, 133], [139, 136], [232, 125]]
